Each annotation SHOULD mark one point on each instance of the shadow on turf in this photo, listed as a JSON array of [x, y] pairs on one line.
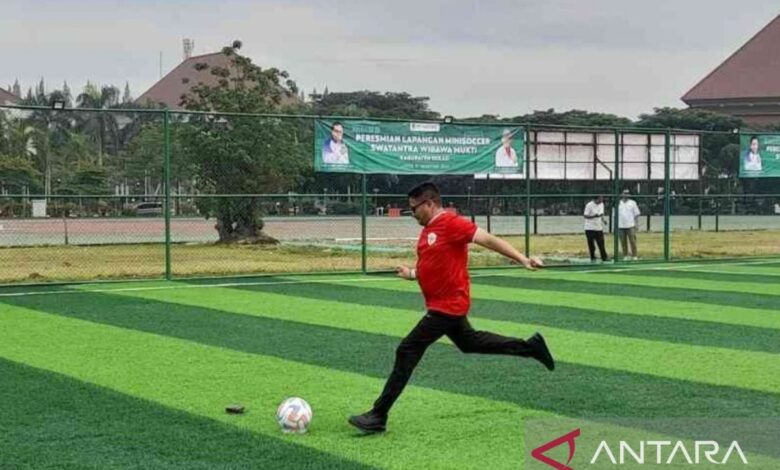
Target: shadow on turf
[[52, 421]]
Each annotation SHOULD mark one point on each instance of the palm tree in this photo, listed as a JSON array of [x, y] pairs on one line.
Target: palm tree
[[101, 126], [52, 131], [18, 147], [19, 138]]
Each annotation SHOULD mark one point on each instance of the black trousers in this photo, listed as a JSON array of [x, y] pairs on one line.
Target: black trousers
[[596, 237], [431, 327]]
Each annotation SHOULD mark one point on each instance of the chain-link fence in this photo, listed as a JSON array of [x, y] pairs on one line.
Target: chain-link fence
[[81, 195], [115, 194]]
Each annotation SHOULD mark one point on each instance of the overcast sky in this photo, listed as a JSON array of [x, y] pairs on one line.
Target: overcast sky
[[470, 57]]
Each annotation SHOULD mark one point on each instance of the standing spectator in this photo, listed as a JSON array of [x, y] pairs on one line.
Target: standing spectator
[[628, 221], [594, 228]]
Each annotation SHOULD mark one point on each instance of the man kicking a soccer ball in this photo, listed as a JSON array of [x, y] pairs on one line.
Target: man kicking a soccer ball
[[442, 258]]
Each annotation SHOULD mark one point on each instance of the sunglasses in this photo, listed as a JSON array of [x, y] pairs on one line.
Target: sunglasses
[[414, 207]]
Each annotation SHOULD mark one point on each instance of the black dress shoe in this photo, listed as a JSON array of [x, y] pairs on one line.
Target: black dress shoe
[[541, 352], [369, 422]]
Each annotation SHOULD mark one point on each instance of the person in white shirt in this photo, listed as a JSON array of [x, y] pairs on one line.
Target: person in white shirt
[[506, 155], [628, 221], [594, 228]]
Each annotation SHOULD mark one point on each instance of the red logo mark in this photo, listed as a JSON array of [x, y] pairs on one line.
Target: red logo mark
[[538, 453]]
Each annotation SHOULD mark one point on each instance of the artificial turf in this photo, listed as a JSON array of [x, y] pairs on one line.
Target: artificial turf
[[137, 375]]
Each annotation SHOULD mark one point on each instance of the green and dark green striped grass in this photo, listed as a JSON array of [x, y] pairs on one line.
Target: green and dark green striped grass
[[137, 375]]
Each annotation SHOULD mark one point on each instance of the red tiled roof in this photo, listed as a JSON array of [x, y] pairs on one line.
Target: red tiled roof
[[6, 97], [753, 71], [181, 79]]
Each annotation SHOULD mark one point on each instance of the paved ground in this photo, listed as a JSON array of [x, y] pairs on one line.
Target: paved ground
[[93, 231]]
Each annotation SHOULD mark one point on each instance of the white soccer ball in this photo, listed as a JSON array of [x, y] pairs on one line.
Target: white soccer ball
[[294, 415]]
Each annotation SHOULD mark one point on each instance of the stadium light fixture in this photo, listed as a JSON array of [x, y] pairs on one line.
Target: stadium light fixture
[[58, 105], [448, 119]]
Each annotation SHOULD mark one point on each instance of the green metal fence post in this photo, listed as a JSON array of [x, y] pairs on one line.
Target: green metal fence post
[[489, 202], [717, 215], [667, 193], [364, 206], [527, 192], [616, 198], [167, 202]]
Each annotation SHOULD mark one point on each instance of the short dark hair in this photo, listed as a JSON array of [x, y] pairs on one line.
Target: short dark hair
[[754, 137], [333, 126], [427, 190]]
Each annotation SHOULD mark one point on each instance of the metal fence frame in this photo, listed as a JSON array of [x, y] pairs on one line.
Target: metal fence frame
[[527, 194]]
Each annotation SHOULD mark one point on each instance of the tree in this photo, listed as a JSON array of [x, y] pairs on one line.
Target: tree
[[87, 179], [485, 118], [3, 132], [674, 118], [38, 132], [40, 93], [67, 96], [574, 117], [18, 138], [245, 155], [17, 176], [127, 98], [52, 132], [142, 162], [373, 104], [17, 173], [100, 126]]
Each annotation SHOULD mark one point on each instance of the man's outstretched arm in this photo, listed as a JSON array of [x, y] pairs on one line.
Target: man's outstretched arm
[[502, 247]]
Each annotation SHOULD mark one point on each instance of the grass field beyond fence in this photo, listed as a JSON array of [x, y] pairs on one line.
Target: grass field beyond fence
[[80, 263]]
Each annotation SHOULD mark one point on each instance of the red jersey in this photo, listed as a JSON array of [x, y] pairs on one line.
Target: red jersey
[[442, 260]]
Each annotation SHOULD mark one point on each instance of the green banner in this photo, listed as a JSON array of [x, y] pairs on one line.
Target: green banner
[[759, 155], [360, 146]]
